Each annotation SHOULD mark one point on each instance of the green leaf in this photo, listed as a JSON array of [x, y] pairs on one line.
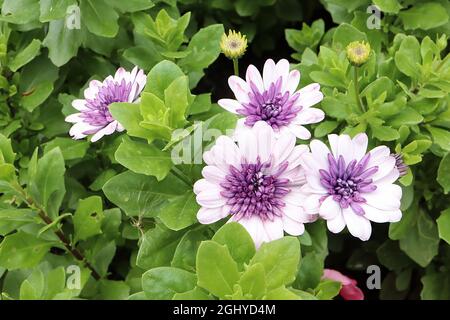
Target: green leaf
[[113, 290], [62, 43], [180, 212], [100, 18], [157, 247], [281, 293], [186, 251], [325, 128], [238, 241], [140, 195], [407, 58], [443, 174], [204, 48], [280, 259], [20, 11], [436, 286], [161, 76], [129, 115], [443, 223], [54, 9], [22, 250], [384, 133], [12, 219], [144, 158], [194, 294], [309, 272], [388, 6], [441, 137], [216, 270], [70, 149], [46, 186], [26, 55], [33, 287], [253, 281], [131, 5], [346, 33], [88, 217], [176, 100], [164, 282], [7, 154], [424, 16], [327, 289]]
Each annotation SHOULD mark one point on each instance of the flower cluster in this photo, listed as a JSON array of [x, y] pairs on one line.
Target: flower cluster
[[260, 177], [269, 185]]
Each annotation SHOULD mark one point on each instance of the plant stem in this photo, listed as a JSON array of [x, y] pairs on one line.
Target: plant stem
[[77, 254], [180, 175], [236, 67], [358, 99]]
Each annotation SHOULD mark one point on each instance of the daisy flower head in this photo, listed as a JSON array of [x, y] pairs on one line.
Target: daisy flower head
[[274, 99], [348, 186], [233, 45], [256, 181], [94, 117]]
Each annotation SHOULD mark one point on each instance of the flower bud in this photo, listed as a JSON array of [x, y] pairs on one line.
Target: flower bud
[[358, 52], [233, 45]]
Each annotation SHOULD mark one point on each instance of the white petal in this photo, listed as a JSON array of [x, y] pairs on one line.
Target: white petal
[[79, 104], [320, 153], [378, 155], [293, 81], [359, 145], [337, 224], [248, 146], [121, 74], [253, 76], [265, 138], [213, 174], [309, 115], [292, 227], [240, 88], [385, 197], [78, 129], [109, 129], [312, 203], [380, 216], [211, 198], [282, 70], [384, 168], [309, 95], [299, 131], [274, 229], [73, 118], [283, 148], [92, 91], [254, 227], [202, 185], [230, 105], [345, 148], [295, 158], [210, 215], [358, 226], [296, 197], [269, 73], [226, 153], [329, 208]]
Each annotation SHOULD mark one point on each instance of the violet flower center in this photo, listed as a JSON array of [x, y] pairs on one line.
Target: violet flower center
[[250, 191], [347, 183], [97, 113], [272, 106]]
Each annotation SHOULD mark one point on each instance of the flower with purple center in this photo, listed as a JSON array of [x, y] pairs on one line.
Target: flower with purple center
[[94, 117], [274, 99], [256, 181], [349, 187]]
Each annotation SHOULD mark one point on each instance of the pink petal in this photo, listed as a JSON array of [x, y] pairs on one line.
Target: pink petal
[[253, 76], [213, 174], [308, 116], [240, 88], [109, 129], [210, 215], [360, 142], [269, 73], [293, 81], [210, 198]]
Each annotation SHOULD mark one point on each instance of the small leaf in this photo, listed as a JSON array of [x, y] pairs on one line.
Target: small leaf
[[88, 217]]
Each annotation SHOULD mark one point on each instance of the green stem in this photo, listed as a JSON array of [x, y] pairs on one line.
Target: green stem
[[236, 67], [180, 175], [77, 254], [358, 99]]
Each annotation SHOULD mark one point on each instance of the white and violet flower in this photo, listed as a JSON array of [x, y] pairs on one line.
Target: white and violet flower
[[256, 181], [349, 187], [94, 117], [274, 99]]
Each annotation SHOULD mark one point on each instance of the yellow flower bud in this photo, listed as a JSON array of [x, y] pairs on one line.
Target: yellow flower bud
[[233, 45], [358, 52]]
